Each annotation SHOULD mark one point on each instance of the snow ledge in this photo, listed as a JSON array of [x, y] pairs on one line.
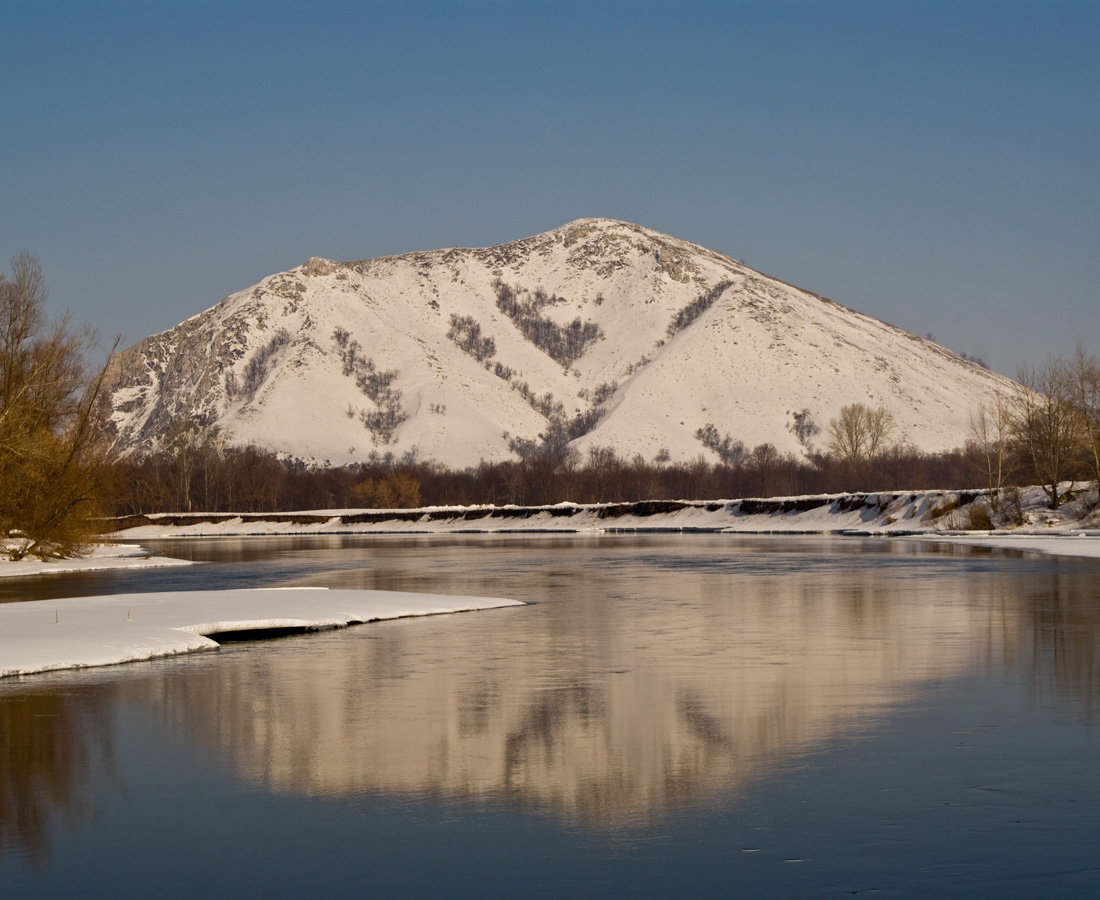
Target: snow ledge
[[79, 632]]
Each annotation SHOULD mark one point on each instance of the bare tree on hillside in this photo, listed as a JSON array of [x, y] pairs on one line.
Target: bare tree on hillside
[[804, 428], [730, 452]]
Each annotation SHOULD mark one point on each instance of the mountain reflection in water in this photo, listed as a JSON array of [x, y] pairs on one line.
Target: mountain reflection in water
[[619, 712], [647, 676]]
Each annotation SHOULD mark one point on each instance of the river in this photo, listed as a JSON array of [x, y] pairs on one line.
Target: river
[[671, 715]]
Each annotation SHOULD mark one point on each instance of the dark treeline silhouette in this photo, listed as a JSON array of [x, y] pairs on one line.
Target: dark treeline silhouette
[[210, 477]]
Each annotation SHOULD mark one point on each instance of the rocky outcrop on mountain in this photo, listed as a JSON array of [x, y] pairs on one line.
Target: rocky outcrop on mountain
[[601, 333]]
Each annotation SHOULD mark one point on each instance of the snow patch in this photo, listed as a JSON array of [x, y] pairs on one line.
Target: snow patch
[[96, 557]]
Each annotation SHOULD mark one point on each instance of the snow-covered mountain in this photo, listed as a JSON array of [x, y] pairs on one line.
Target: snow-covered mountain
[[624, 337]]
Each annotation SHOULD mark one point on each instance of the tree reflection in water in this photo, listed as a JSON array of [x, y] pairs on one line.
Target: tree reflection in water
[[55, 747], [1063, 648]]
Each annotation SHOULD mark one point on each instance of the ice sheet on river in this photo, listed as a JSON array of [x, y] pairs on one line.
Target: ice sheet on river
[[46, 635]]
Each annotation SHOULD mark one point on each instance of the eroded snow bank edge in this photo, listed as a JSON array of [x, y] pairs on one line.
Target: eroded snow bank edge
[[81, 632]]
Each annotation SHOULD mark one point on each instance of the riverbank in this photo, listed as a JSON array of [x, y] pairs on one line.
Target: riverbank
[[887, 513], [1073, 529]]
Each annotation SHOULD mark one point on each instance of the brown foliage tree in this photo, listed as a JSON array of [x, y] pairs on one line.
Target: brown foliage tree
[[52, 447], [397, 491]]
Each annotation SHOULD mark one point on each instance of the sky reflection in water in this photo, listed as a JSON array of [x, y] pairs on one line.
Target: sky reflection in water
[[672, 714]]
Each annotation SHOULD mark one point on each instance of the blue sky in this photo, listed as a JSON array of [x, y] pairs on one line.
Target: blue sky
[[936, 165]]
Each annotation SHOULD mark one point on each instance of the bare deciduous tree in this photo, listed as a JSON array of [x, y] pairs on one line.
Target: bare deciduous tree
[[52, 447], [991, 431], [1047, 423], [1085, 374], [604, 466], [193, 450], [764, 462], [861, 434]]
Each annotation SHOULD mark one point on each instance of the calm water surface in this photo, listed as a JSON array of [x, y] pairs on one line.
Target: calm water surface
[[678, 715]]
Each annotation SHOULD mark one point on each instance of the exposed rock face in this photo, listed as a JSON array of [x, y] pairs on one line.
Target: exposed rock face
[[447, 352]]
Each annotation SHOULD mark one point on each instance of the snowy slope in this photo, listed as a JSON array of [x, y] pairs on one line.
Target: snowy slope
[[271, 365]]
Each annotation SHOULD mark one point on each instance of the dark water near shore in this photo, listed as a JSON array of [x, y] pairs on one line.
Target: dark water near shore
[[696, 716]]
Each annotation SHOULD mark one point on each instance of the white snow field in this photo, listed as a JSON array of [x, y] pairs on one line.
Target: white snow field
[[79, 632]]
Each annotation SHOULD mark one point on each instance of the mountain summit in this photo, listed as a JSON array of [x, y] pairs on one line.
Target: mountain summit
[[602, 331]]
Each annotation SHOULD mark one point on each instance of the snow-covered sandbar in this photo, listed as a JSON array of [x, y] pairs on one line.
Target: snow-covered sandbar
[[47, 635], [97, 557]]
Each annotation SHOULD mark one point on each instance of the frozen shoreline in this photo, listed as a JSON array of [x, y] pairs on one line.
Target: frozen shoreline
[[81, 632], [1080, 543]]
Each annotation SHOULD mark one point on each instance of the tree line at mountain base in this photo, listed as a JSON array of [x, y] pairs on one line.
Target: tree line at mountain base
[[214, 478]]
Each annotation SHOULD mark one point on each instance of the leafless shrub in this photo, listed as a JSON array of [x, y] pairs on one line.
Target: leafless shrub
[[941, 510], [604, 392], [978, 517], [729, 451], [466, 333], [1016, 509], [502, 371]]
